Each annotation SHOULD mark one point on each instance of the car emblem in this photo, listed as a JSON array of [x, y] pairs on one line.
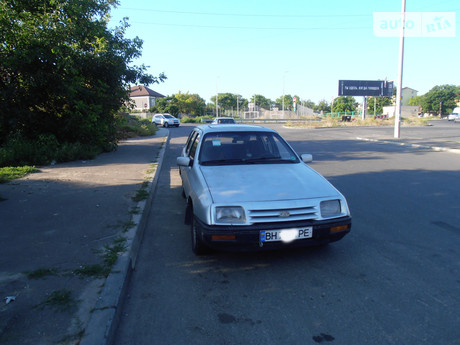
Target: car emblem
[[284, 214]]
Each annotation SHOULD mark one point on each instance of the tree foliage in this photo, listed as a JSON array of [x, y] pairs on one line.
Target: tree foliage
[[180, 103], [288, 102], [377, 104], [441, 98], [322, 106], [228, 101], [342, 104], [63, 73], [191, 104], [262, 101]]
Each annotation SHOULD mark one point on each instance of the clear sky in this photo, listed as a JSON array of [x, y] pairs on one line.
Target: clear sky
[[301, 47]]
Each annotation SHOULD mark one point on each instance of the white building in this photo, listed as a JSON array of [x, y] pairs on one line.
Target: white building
[[143, 98], [406, 94]]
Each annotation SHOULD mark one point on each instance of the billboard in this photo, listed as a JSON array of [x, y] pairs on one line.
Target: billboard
[[376, 88]]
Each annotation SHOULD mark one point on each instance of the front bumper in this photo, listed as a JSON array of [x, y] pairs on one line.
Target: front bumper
[[248, 237]]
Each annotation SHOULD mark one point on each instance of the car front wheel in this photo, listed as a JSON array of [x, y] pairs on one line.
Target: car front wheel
[[198, 247], [166, 125]]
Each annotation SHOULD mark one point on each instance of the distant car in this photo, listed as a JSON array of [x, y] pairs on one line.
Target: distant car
[[165, 120], [223, 120], [453, 116], [246, 189]]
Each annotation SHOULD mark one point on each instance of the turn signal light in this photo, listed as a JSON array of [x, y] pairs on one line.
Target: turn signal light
[[223, 237], [339, 228]]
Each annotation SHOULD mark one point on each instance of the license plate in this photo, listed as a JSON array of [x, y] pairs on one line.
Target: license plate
[[286, 235]]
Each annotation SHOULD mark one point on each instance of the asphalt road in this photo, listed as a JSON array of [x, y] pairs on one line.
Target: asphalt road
[[394, 279]]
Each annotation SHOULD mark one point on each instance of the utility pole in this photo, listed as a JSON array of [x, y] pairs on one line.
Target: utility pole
[[400, 70]]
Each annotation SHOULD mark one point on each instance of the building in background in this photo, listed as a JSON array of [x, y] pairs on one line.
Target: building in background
[[406, 94], [143, 98]]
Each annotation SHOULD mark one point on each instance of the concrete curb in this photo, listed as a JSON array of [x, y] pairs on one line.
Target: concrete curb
[[434, 148], [106, 314]]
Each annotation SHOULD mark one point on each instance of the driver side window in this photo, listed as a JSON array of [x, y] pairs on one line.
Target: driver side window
[[193, 147]]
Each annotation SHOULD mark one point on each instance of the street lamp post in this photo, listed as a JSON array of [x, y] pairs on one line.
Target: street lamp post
[[400, 70]]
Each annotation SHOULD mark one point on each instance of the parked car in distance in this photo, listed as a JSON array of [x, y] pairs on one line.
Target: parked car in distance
[[455, 114], [223, 120], [165, 120], [246, 189]]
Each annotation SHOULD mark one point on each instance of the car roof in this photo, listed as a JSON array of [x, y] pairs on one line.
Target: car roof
[[212, 128]]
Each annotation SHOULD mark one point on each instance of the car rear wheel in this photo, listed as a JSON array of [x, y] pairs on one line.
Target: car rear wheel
[[198, 247]]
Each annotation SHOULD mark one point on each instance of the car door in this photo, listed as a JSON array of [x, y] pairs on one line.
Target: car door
[[190, 152]]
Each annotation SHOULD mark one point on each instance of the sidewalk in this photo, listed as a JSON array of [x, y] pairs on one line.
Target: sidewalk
[[59, 229]]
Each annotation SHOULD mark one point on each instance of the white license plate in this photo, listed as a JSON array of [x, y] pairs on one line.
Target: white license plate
[[286, 235]]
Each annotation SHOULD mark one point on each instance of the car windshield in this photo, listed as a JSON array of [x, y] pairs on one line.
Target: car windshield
[[168, 116], [227, 148], [226, 121]]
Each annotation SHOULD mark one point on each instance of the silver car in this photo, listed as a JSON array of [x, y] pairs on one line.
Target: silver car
[[165, 120], [247, 189]]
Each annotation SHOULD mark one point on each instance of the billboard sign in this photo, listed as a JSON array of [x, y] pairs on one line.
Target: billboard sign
[[376, 88]]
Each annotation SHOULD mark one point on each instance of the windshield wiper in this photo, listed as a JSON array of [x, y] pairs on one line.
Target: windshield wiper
[[223, 162], [267, 159]]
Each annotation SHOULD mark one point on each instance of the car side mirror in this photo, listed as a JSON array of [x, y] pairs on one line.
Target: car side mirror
[[183, 161], [307, 158]]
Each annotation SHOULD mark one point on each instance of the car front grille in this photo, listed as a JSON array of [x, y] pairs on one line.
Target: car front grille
[[283, 215]]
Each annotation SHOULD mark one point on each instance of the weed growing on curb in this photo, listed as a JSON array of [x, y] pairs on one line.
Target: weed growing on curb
[[128, 225], [141, 194], [111, 252], [135, 210]]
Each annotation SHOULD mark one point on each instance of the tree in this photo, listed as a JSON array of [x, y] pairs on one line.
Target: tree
[[262, 101], [441, 98], [191, 104], [228, 101], [417, 100], [166, 105], [287, 102], [378, 103], [323, 106], [309, 104], [343, 104], [63, 72]]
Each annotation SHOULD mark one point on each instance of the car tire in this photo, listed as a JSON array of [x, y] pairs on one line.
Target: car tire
[[166, 125], [198, 247]]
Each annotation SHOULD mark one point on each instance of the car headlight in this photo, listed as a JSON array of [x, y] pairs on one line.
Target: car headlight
[[230, 214], [330, 208]]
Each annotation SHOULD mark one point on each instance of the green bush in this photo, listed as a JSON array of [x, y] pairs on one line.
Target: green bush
[[19, 150], [188, 119]]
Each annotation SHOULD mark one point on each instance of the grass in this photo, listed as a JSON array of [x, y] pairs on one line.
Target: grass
[[60, 300], [96, 270], [111, 252], [42, 273], [11, 173], [357, 122], [141, 194]]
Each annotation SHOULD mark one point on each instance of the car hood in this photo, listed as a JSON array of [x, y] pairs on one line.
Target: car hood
[[265, 182]]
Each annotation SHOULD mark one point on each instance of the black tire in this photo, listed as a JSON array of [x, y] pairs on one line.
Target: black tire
[[166, 125], [198, 247]]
